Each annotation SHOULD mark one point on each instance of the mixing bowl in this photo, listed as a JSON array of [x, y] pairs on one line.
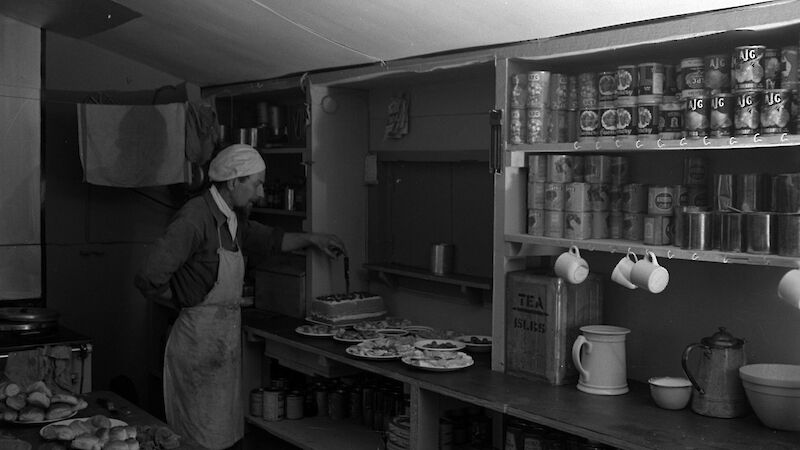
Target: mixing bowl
[[670, 392], [774, 393]]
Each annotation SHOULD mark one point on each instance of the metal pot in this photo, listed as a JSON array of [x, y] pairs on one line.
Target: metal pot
[[718, 391]]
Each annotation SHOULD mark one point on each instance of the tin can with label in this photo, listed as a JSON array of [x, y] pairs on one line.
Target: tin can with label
[[274, 405], [647, 115], [615, 225], [752, 192], [606, 86], [598, 196], [537, 167], [671, 73], [294, 405], [627, 119], [559, 88], [772, 68], [519, 91], [775, 111], [619, 170], [789, 235], [632, 226], [748, 71], [257, 402], [557, 126], [696, 117], [634, 198], [657, 230], [717, 75], [698, 195], [597, 169], [559, 168], [536, 222], [722, 195], [573, 93], [720, 122], [747, 112], [615, 198], [587, 90], [695, 170], [627, 80], [517, 122], [762, 232], [680, 194], [786, 187], [538, 89], [536, 195], [578, 168], [651, 79], [660, 200], [554, 224], [691, 74], [789, 66], [578, 225], [601, 224], [670, 122], [608, 119], [589, 123], [577, 197], [536, 124]]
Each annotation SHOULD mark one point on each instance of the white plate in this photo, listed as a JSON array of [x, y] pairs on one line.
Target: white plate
[[467, 361], [474, 346], [114, 423], [350, 341], [39, 422], [353, 351], [453, 346], [305, 331]]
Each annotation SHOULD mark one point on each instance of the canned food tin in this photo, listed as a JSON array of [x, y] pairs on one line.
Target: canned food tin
[[257, 402], [789, 234], [577, 197], [597, 169], [772, 68], [615, 198], [274, 405], [578, 225], [775, 110], [601, 224], [536, 195], [695, 170], [627, 119], [559, 87], [721, 117], [536, 222], [698, 195], [572, 126], [627, 80], [589, 122], [748, 71], [572, 92], [761, 229], [696, 117], [632, 226], [619, 170], [587, 90], [789, 66], [536, 124], [557, 126], [608, 119], [537, 167], [516, 126], [692, 74], [717, 75], [559, 168], [787, 192], [730, 228], [606, 86], [634, 198], [336, 404], [680, 195], [651, 79], [519, 91], [598, 196], [294, 405], [657, 230], [670, 80], [647, 114], [697, 230], [660, 200], [670, 119], [578, 168], [752, 192], [615, 225], [554, 224], [722, 195], [678, 219], [747, 113], [538, 89]]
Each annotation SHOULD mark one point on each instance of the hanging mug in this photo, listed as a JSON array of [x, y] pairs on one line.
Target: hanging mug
[[648, 274], [571, 267]]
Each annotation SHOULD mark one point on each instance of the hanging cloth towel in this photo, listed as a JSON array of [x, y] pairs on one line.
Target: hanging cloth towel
[[133, 145], [26, 366]]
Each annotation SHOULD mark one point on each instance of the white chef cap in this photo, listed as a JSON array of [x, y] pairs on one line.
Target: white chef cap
[[238, 160]]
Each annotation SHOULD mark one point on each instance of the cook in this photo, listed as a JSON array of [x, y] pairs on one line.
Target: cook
[[199, 265]]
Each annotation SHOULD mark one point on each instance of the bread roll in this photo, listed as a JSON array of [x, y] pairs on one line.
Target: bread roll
[[133, 444], [58, 411], [38, 398], [12, 389], [166, 438], [86, 442], [7, 414], [103, 435], [116, 445], [16, 402], [117, 434], [131, 431], [64, 398], [81, 405], [81, 427], [100, 421], [39, 386], [60, 432], [31, 414]]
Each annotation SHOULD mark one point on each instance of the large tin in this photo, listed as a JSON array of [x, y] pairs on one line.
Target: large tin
[[577, 197], [691, 74], [752, 192], [519, 91], [651, 79], [578, 168], [678, 227], [747, 70], [536, 125], [723, 192], [538, 92], [671, 73], [627, 80], [789, 66], [559, 88], [697, 229], [606, 86], [786, 193], [720, 121], [274, 405], [517, 123], [536, 222], [543, 316], [761, 229], [597, 169], [660, 200], [696, 116], [554, 224], [775, 111], [634, 197], [599, 196], [589, 123], [789, 235], [577, 225], [697, 195], [559, 168], [558, 126], [772, 68], [615, 198], [554, 196], [536, 195], [647, 115], [608, 119], [657, 230], [619, 170], [680, 194], [601, 225], [587, 90], [627, 118], [730, 228], [257, 402], [670, 122], [717, 73], [632, 226], [695, 170], [572, 93], [747, 114], [537, 167], [615, 225]]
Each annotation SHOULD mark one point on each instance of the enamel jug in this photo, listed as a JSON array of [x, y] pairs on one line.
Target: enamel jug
[[718, 391]]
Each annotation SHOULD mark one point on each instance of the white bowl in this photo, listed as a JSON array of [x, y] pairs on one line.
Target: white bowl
[[670, 392], [774, 393]]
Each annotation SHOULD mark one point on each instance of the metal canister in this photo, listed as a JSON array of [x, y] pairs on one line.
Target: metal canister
[[634, 197], [554, 224], [720, 121], [619, 170], [321, 398], [647, 114], [723, 191], [578, 168], [557, 126], [789, 66], [670, 80], [789, 234], [589, 123], [627, 116], [627, 80], [697, 230], [554, 196], [747, 112], [696, 116], [559, 87], [599, 197], [607, 112], [615, 198], [691, 74], [537, 168], [752, 192], [559, 168], [695, 170], [606, 86], [680, 194], [578, 225], [294, 405], [536, 222], [597, 169], [632, 226], [697, 195], [651, 79], [670, 121], [257, 402], [516, 126], [717, 73], [730, 227], [660, 200], [615, 225], [536, 124], [657, 230], [761, 229], [775, 111], [274, 405], [772, 68], [577, 197], [337, 404], [587, 90], [678, 227], [538, 89], [601, 224], [748, 71], [519, 91], [787, 192], [536, 195]]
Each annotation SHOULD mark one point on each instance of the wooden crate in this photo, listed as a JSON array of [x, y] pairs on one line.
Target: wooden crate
[[543, 317]]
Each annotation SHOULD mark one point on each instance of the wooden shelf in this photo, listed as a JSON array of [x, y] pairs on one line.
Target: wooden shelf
[[465, 281], [282, 150], [278, 212], [321, 433], [518, 245]]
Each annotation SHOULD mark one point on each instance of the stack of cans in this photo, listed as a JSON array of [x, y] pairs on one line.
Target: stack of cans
[[551, 179], [543, 108]]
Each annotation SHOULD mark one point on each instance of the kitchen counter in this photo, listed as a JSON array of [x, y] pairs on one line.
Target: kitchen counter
[[630, 421]]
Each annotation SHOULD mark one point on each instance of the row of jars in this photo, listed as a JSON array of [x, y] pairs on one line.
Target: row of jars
[[520, 434]]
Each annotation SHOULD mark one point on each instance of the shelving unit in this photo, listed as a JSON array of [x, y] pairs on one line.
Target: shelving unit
[[464, 281], [321, 433]]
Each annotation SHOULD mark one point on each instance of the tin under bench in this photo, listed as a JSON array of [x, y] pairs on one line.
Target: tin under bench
[[629, 421]]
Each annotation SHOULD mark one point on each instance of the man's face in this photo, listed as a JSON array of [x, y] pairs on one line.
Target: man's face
[[247, 191]]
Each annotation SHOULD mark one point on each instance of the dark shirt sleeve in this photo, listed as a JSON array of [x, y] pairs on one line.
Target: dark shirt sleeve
[[259, 241]]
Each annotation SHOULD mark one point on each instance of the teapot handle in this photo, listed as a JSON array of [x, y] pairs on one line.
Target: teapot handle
[[684, 360]]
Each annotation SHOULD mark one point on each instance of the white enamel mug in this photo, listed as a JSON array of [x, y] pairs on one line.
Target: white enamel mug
[[648, 274], [571, 267]]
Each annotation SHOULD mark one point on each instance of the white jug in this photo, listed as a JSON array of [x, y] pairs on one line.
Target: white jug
[[599, 356]]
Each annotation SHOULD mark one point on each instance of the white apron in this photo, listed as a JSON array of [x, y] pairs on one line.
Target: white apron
[[202, 362]]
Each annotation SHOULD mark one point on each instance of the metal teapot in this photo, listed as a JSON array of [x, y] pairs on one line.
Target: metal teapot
[[718, 391]]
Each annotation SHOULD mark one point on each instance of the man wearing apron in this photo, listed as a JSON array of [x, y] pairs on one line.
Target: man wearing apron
[[199, 265]]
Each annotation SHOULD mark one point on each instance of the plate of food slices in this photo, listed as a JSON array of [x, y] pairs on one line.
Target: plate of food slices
[[382, 348], [42, 421], [476, 343], [316, 330], [444, 345], [438, 361], [70, 429], [354, 336], [383, 324]]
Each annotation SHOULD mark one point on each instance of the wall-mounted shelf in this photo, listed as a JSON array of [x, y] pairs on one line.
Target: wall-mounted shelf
[[518, 245], [278, 212], [281, 150], [465, 281]]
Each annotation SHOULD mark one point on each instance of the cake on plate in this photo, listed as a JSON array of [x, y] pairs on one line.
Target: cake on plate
[[342, 309]]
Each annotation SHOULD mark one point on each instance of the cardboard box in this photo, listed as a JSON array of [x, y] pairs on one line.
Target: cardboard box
[[282, 290], [543, 317]]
